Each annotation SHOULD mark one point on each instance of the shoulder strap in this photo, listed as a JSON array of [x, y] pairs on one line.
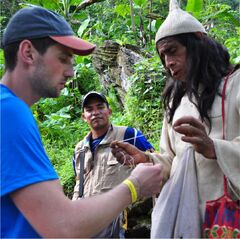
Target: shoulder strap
[[223, 106], [223, 120], [135, 137], [119, 132], [81, 175]]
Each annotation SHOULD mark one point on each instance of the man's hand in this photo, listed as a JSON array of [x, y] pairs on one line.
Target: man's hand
[[149, 178], [127, 153], [195, 133]]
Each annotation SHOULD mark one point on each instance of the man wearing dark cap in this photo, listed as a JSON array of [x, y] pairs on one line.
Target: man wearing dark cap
[[38, 48], [102, 171]]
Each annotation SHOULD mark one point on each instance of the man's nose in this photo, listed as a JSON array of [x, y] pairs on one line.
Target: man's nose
[[69, 72], [169, 61], [95, 111]]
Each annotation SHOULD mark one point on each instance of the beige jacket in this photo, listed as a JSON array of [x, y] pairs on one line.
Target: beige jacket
[[105, 172], [209, 172]]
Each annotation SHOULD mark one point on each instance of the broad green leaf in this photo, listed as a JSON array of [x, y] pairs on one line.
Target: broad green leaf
[[83, 27], [53, 5], [122, 10], [194, 7], [158, 23], [227, 14], [140, 3], [75, 2]]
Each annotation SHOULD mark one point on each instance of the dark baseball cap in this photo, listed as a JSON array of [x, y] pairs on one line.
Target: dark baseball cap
[[37, 22], [91, 94]]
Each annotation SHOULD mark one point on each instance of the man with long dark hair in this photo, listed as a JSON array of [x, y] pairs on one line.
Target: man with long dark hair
[[197, 67]]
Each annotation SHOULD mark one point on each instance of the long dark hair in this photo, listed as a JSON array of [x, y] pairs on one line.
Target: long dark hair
[[207, 64]]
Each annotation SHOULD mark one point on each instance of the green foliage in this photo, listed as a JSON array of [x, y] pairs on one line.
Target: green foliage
[[61, 157], [113, 100], [194, 6], [113, 22], [122, 10], [143, 108], [141, 3], [223, 24], [83, 27], [233, 44], [86, 78], [1, 63]]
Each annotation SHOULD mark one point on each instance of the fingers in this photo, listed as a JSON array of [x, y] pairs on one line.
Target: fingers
[[187, 130], [114, 144], [121, 156], [123, 145], [190, 127], [149, 178], [192, 140], [189, 120], [194, 133], [117, 144], [127, 153], [119, 150]]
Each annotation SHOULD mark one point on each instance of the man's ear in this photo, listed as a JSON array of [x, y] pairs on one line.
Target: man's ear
[[110, 111], [27, 52]]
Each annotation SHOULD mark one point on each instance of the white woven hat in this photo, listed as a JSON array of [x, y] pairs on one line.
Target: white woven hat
[[177, 22]]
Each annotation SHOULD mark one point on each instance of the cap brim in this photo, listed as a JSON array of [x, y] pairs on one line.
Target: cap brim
[[79, 46], [92, 94]]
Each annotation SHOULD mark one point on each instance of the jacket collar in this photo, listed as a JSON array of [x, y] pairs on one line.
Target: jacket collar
[[109, 137]]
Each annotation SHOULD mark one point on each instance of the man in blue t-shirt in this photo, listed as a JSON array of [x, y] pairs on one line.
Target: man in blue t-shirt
[[102, 171], [38, 47]]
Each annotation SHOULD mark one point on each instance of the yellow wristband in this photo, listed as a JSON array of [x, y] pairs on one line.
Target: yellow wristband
[[132, 189]]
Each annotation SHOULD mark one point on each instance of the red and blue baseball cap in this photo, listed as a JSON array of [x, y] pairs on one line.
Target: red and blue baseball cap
[[37, 22]]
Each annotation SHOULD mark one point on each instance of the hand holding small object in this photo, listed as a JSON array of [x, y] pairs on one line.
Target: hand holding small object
[[128, 154], [194, 132]]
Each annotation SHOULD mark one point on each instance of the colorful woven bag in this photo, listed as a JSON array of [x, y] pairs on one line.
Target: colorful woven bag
[[222, 216]]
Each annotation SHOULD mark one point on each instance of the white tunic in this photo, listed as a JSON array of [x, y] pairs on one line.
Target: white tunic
[[209, 172]]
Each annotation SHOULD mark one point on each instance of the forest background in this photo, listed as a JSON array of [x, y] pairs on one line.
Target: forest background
[[125, 22]]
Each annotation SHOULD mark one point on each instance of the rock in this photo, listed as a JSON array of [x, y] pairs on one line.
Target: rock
[[139, 220], [115, 63]]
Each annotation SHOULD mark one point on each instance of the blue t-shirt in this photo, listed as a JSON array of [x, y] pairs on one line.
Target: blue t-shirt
[[136, 138], [95, 142], [23, 161]]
